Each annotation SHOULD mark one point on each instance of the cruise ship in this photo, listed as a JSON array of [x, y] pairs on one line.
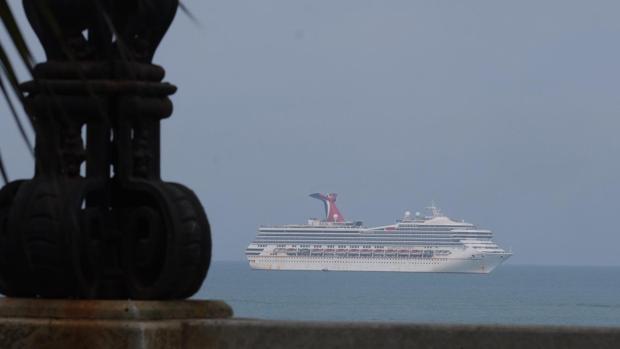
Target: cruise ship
[[415, 243]]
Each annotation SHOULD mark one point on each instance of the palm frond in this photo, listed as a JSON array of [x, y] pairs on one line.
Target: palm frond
[[189, 14], [5, 176], [7, 74], [6, 15], [16, 118]]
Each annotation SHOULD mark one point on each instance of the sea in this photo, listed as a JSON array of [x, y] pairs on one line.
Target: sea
[[512, 294]]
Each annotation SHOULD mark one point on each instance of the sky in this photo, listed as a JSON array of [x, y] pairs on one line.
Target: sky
[[505, 113]]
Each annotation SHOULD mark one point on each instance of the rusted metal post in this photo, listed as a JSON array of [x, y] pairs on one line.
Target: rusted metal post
[[96, 220]]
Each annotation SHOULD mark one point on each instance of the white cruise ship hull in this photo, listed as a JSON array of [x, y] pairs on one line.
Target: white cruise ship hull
[[481, 264], [427, 244]]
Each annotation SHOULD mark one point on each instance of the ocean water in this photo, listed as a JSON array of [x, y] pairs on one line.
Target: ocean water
[[588, 296]]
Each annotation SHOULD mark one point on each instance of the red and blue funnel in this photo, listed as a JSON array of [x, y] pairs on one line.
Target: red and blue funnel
[[332, 213]]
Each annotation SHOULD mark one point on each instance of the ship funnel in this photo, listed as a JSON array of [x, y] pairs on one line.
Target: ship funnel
[[332, 214]]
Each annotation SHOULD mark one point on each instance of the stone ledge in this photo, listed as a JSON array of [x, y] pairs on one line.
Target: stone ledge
[[236, 333], [140, 330], [112, 309]]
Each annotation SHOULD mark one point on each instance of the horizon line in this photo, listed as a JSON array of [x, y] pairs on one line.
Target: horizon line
[[507, 264]]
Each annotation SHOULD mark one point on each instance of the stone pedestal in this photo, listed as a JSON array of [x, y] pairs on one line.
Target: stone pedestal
[[94, 324]]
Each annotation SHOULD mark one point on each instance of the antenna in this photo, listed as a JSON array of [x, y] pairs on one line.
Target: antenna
[[435, 211]]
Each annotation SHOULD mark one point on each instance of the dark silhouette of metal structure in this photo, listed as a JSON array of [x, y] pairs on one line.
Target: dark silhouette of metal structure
[[96, 220]]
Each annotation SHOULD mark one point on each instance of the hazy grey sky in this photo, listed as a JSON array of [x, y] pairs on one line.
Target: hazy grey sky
[[506, 113]]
